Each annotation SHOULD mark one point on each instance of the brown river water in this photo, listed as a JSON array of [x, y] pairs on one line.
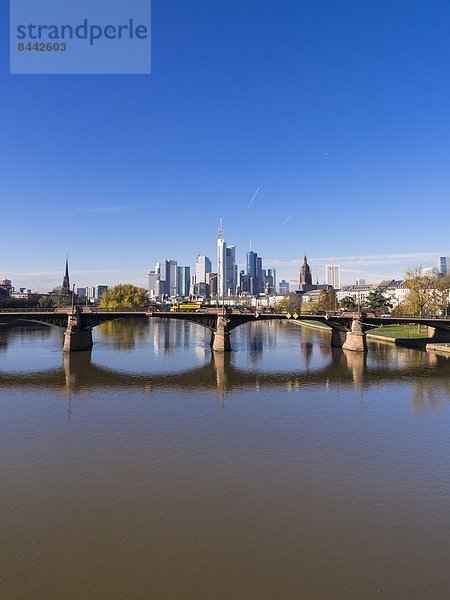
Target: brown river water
[[150, 469]]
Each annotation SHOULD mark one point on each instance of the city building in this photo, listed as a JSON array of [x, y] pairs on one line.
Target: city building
[[5, 288], [183, 281], [203, 267], [333, 276], [153, 284], [283, 287], [226, 267], [250, 282], [444, 265], [269, 281], [81, 292], [99, 291], [166, 272], [212, 282]]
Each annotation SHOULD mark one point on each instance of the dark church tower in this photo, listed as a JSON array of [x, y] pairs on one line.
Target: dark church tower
[[305, 274], [66, 282]]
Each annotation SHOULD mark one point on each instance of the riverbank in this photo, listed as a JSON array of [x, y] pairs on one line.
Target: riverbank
[[407, 336]]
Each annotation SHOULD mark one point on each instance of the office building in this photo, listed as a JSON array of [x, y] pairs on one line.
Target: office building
[[284, 287], [183, 281], [226, 267], [99, 291], [443, 265], [333, 276], [153, 284], [166, 271], [203, 267], [269, 281]]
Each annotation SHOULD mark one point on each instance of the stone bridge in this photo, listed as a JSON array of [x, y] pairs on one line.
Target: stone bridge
[[348, 330]]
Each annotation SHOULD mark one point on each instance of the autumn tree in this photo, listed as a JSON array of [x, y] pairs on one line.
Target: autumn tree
[[289, 303], [327, 299], [307, 307], [124, 295], [421, 297], [442, 295]]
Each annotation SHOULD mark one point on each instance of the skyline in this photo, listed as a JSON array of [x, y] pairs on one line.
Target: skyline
[[313, 127], [373, 268]]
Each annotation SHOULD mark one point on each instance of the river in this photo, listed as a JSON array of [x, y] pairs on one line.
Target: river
[[150, 469]]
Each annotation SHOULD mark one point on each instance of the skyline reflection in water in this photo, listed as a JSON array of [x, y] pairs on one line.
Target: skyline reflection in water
[[150, 467]]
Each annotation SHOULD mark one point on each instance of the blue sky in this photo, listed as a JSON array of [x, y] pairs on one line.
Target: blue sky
[[337, 110]]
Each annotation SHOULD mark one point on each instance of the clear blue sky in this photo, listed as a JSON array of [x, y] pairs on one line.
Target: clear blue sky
[[338, 110]]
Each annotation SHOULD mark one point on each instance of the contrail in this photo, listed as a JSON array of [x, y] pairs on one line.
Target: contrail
[[286, 220], [254, 196]]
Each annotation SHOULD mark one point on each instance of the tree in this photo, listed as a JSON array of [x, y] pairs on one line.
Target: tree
[[376, 300], [442, 295], [124, 295], [348, 303], [307, 307], [46, 302], [327, 300], [290, 303], [421, 298]]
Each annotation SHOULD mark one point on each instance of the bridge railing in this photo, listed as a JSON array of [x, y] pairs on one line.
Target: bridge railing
[[30, 310]]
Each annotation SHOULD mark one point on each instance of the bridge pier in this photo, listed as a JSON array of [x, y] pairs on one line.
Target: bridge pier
[[76, 339], [220, 338], [338, 338], [437, 335], [354, 340]]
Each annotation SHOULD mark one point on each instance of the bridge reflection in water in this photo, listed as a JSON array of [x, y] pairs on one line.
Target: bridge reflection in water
[[79, 373]]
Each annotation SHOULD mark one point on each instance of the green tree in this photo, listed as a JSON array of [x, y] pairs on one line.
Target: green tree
[[348, 303], [377, 301], [46, 302], [442, 295], [124, 295], [327, 300]]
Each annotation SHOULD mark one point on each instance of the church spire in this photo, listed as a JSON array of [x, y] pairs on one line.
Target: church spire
[[305, 274], [66, 281]]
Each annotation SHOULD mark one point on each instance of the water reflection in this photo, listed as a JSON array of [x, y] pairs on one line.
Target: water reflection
[[430, 375], [128, 355], [281, 470]]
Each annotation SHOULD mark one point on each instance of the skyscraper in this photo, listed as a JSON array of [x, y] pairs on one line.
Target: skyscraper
[[443, 265], [166, 278], [284, 287], [270, 281], [251, 281], [203, 267], [153, 284], [226, 266], [100, 290], [183, 281], [333, 276]]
